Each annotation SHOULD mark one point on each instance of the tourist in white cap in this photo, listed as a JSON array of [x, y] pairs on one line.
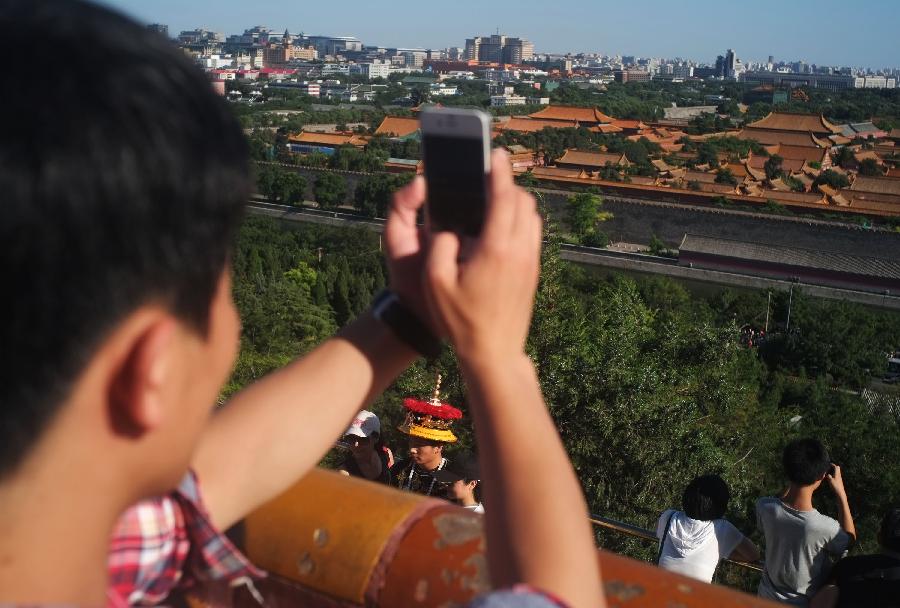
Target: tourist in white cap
[[368, 457]]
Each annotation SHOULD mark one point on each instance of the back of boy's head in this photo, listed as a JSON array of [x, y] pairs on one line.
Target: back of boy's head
[[805, 461], [706, 498], [889, 533], [123, 177]]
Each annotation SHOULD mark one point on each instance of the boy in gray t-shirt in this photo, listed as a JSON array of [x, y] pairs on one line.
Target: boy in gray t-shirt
[[801, 542]]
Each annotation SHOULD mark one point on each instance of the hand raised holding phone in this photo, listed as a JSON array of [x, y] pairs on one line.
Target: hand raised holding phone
[[485, 301]]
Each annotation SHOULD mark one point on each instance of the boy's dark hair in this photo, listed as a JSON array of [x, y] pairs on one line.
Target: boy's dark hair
[[706, 498], [124, 178], [805, 461], [889, 534]]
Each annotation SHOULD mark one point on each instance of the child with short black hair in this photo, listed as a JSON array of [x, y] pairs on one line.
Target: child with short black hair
[[695, 540]]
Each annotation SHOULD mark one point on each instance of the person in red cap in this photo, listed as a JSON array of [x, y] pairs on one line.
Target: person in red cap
[[428, 424]]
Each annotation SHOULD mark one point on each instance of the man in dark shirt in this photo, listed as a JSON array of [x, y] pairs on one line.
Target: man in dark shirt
[[868, 581], [428, 424]]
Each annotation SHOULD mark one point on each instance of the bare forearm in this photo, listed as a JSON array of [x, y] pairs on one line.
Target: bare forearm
[[523, 463], [273, 432], [845, 517]]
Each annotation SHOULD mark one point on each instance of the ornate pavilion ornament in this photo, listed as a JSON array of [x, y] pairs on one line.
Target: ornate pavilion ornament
[[431, 419]]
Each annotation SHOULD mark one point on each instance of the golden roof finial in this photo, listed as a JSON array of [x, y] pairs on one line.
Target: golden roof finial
[[436, 395]]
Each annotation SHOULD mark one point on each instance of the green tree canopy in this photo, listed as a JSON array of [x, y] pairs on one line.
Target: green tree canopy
[[330, 189]]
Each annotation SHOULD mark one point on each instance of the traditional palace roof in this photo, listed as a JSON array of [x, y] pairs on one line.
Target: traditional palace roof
[[530, 125], [769, 137], [807, 153], [788, 121], [571, 113], [591, 159], [327, 139], [396, 126], [629, 125], [876, 185]]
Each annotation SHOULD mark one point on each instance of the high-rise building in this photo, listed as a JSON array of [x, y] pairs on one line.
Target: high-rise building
[[498, 48], [159, 28], [473, 48], [517, 50], [730, 64]]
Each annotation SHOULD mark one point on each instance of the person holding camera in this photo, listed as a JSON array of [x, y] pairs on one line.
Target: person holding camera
[[368, 457], [802, 543]]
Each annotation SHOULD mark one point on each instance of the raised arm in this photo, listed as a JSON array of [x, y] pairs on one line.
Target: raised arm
[[273, 432], [845, 517], [536, 517]]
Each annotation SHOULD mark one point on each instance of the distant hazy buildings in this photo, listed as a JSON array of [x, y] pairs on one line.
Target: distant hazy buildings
[[632, 76], [829, 82], [159, 28], [498, 48]]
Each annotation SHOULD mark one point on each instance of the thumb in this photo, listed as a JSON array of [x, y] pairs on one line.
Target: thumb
[[442, 270]]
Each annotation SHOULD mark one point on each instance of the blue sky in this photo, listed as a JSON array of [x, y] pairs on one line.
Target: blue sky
[[864, 33]]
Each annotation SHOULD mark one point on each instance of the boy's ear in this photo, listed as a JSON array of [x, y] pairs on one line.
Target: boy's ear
[[137, 385]]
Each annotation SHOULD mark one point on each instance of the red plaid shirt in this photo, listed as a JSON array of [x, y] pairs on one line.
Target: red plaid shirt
[[167, 544]]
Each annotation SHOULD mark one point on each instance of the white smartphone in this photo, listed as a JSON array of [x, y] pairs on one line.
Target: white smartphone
[[456, 150]]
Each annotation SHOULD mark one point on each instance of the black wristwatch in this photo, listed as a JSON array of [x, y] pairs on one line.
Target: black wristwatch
[[388, 309]]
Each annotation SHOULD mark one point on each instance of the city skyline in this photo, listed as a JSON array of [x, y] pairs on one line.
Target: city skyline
[[647, 28]]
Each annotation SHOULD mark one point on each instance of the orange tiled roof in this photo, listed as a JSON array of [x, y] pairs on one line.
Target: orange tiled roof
[[807, 153], [530, 125], [591, 159], [867, 154], [717, 188], [737, 169], [587, 115], [788, 121], [397, 126], [769, 137], [606, 128], [795, 197], [701, 177], [629, 124], [876, 185], [551, 172], [326, 139]]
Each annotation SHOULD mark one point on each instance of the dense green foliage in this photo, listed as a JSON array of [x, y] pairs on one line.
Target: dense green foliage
[[372, 196], [280, 185], [649, 384], [832, 178], [583, 213], [330, 189]]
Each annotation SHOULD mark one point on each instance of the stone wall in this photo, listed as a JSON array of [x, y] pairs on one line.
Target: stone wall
[[636, 222]]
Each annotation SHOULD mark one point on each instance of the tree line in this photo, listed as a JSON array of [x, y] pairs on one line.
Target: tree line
[[649, 384]]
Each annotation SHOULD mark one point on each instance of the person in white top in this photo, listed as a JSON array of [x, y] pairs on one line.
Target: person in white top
[[693, 541], [462, 478]]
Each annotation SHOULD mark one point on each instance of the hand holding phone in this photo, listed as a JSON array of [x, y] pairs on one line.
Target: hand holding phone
[[835, 479], [456, 150], [484, 299]]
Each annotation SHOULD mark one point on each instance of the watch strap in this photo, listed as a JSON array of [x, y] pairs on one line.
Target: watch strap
[[403, 322]]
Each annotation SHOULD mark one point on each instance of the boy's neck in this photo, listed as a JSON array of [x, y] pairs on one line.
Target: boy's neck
[[468, 501], [55, 528], [799, 497]]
